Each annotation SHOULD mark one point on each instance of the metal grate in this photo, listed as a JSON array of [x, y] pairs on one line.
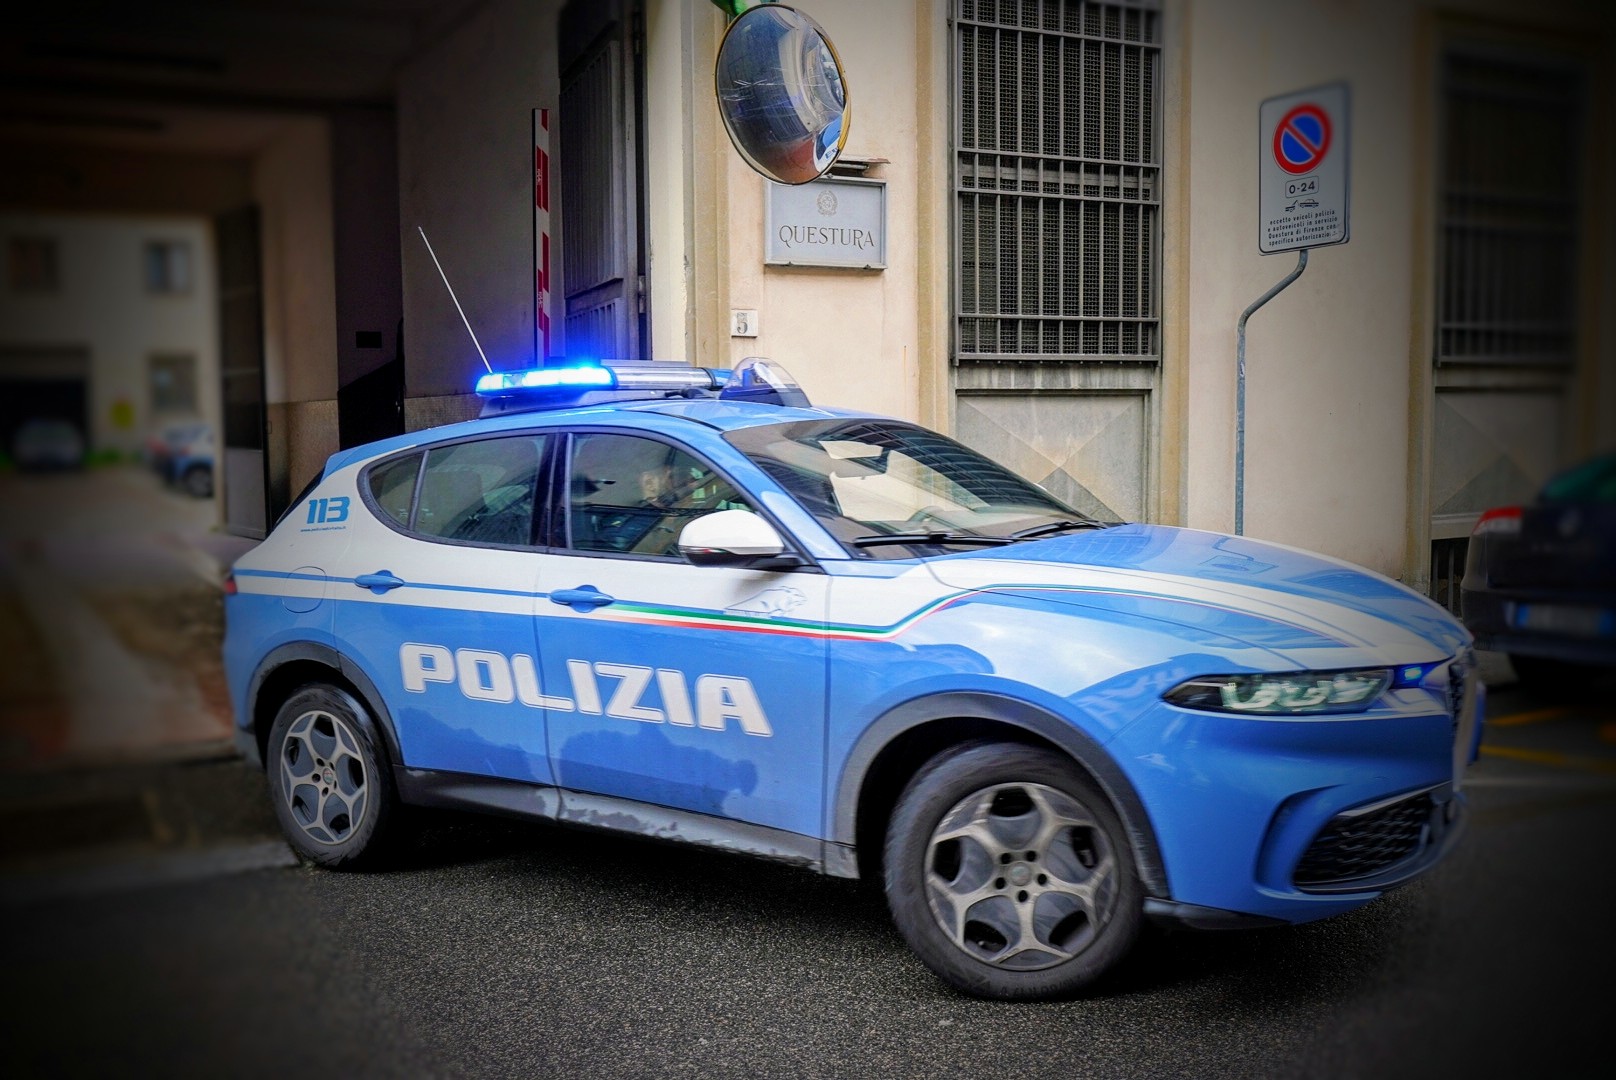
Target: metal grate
[[1447, 571], [1511, 148], [1058, 179]]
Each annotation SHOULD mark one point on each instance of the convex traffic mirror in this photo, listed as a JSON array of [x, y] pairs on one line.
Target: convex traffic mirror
[[781, 93]]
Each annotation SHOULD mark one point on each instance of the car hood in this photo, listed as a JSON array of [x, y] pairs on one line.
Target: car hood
[[1310, 609]]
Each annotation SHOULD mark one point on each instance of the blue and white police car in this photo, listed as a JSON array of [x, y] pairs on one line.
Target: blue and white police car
[[686, 603]]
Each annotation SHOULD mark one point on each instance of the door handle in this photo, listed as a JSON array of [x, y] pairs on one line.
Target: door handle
[[583, 598], [379, 582]]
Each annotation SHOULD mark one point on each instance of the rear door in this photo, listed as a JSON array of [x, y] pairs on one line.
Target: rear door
[[436, 603]]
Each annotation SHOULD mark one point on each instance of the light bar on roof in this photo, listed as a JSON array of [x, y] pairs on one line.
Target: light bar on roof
[[665, 375], [755, 379], [575, 376]]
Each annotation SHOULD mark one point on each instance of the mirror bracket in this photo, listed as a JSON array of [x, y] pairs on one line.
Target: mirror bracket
[[732, 8]]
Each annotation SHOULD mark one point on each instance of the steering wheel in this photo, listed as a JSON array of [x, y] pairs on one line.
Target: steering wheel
[[928, 513]]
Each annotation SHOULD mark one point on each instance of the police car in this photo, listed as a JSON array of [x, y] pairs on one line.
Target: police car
[[685, 603]]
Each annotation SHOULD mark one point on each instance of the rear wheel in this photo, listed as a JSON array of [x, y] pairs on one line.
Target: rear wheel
[[1009, 874], [329, 782]]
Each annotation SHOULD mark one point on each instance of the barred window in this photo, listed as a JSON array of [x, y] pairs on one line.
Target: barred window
[[1511, 156], [1058, 179]]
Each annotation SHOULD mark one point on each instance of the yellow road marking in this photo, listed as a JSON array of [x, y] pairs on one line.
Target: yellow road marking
[[1550, 757], [1534, 717]]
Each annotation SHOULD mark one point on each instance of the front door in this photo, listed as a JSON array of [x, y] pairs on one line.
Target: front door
[[696, 688]]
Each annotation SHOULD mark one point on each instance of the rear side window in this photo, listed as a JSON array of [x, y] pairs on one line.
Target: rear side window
[[481, 492], [392, 487]]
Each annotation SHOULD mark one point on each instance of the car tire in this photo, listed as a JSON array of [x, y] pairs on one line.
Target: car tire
[[329, 781], [198, 481], [1009, 874]]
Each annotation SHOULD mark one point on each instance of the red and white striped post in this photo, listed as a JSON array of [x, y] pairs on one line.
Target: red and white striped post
[[541, 236]]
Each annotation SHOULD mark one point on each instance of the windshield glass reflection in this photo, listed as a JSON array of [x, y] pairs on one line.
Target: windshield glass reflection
[[889, 490]]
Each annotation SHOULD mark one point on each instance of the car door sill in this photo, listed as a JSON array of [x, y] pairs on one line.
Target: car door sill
[[542, 802]]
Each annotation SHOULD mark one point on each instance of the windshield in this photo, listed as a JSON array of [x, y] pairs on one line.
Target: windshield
[[889, 490]]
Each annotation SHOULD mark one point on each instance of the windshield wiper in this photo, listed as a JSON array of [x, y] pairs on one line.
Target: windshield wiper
[[1050, 528], [927, 538]]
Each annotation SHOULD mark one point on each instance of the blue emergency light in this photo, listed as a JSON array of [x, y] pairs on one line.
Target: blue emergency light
[[505, 382], [754, 379], [1411, 675]]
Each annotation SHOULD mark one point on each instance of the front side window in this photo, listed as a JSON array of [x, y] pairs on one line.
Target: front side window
[[634, 495], [479, 492], [870, 480]]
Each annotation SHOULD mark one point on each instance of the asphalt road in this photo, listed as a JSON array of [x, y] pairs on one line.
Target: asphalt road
[[503, 949]]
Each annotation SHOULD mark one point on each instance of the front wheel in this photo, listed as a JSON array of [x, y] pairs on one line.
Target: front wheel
[[1009, 874], [328, 779]]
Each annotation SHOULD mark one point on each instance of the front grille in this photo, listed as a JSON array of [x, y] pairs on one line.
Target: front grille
[[1361, 844], [1458, 685]]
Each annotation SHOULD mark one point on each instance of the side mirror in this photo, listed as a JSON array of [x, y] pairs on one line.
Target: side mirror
[[781, 94], [734, 538]]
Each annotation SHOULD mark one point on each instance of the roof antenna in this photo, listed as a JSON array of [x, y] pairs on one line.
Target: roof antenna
[[452, 296]]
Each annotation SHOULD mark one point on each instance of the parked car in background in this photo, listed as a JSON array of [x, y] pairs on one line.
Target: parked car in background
[[181, 452], [47, 443], [1540, 579]]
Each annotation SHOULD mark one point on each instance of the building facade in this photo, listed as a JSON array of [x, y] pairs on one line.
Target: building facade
[[1066, 196]]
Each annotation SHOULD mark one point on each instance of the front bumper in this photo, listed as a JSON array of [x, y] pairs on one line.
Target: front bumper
[[1299, 819]]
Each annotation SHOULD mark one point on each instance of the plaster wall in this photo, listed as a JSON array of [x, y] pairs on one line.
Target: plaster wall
[[466, 178], [292, 186], [851, 337], [1338, 416], [1335, 416]]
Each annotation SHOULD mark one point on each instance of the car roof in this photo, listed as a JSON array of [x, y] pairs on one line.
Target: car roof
[[716, 415]]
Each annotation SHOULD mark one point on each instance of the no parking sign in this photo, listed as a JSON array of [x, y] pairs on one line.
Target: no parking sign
[[1303, 198]]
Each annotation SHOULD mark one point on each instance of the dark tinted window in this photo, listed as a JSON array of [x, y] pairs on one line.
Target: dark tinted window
[[634, 495], [392, 486], [482, 491]]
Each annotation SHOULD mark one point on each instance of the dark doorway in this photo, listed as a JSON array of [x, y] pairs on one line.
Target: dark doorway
[[43, 384], [371, 407], [602, 174], [247, 505]]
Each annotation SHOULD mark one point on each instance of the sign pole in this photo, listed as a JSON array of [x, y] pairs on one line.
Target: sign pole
[[1303, 201], [1240, 395]]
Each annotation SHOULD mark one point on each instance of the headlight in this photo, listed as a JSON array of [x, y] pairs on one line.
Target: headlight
[[1293, 693]]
